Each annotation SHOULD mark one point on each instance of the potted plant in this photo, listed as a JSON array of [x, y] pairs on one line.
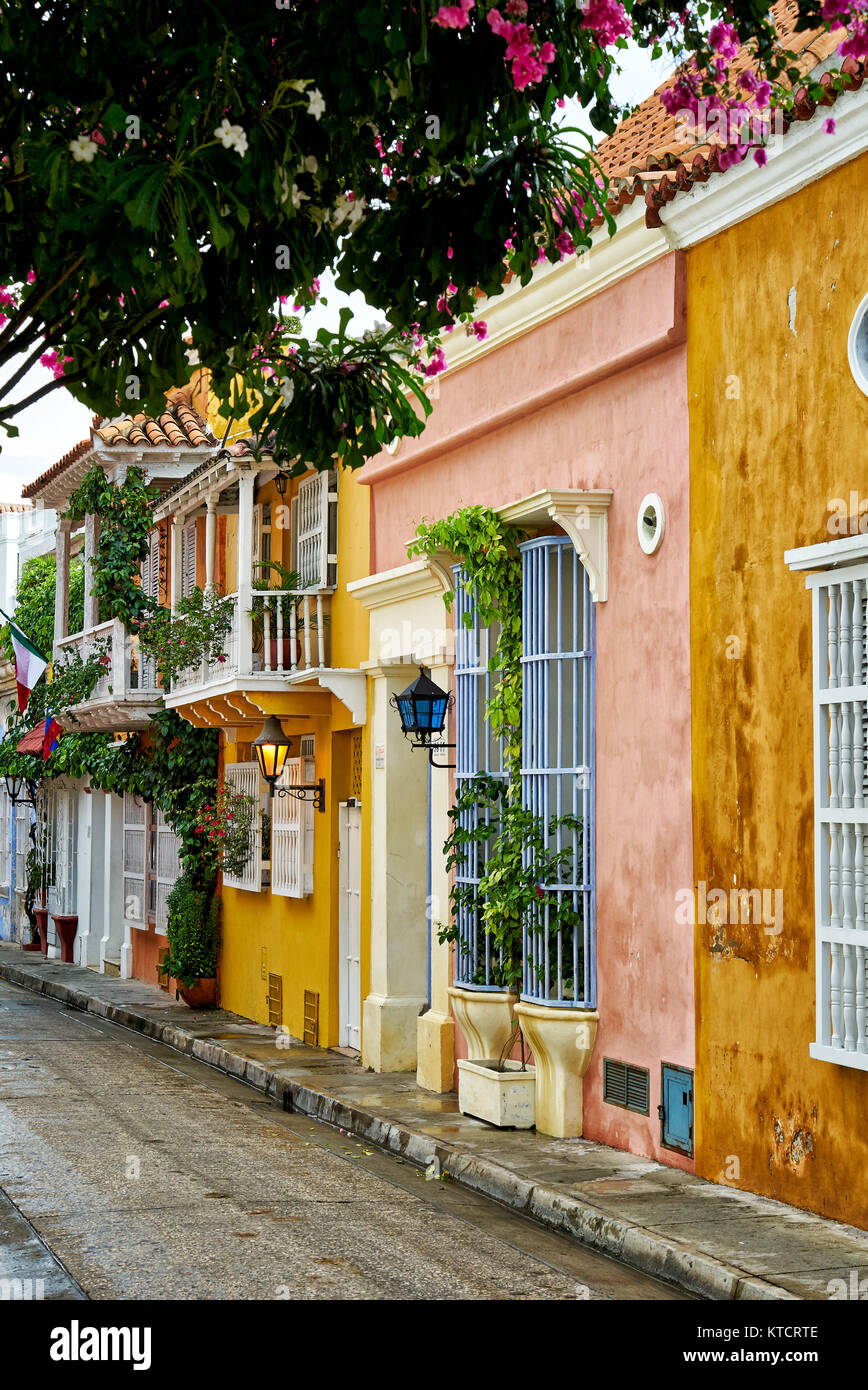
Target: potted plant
[[220, 837], [502, 1090], [194, 633], [193, 930]]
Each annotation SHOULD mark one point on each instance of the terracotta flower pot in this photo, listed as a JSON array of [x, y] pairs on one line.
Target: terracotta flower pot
[[41, 915], [66, 926], [287, 652], [200, 995]]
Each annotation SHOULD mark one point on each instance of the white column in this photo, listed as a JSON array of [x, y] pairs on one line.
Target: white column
[[115, 953], [399, 884], [89, 876], [91, 541], [61, 582], [210, 540], [246, 485], [175, 571]]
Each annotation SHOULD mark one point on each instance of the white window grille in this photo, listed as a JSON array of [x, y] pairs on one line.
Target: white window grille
[[188, 558], [5, 837], [557, 766], [292, 831], [244, 777], [315, 530], [840, 680], [59, 808], [477, 752]]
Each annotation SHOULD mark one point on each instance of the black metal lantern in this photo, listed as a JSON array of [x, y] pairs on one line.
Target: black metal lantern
[[14, 784], [272, 749], [280, 482], [422, 709]]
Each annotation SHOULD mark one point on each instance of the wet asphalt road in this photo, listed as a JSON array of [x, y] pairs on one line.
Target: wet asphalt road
[[132, 1172]]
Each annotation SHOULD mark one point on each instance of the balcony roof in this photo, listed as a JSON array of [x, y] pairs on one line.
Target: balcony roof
[[165, 446]]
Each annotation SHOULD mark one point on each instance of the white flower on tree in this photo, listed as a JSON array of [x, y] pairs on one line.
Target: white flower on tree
[[315, 103], [83, 149], [231, 137]]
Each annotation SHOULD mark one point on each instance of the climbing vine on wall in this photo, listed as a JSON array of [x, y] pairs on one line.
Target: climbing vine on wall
[[126, 523], [519, 871]]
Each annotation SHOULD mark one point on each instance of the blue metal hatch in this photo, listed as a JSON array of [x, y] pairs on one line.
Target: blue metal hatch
[[676, 1109]]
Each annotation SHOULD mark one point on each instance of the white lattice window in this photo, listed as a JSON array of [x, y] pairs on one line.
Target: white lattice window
[[5, 835], [840, 698], [244, 777], [315, 530], [292, 829]]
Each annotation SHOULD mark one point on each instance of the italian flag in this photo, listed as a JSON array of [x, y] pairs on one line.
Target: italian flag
[[29, 664]]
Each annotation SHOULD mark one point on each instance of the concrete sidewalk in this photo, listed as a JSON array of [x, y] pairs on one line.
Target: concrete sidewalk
[[714, 1241]]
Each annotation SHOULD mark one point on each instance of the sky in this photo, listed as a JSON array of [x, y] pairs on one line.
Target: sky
[[55, 424]]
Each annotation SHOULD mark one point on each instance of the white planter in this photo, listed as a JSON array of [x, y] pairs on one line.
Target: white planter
[[503, 1098]]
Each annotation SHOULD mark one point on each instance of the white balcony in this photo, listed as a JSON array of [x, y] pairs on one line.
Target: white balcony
[[281, 640], [126, 694]]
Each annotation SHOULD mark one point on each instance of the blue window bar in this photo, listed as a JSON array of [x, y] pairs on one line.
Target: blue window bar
[[477, 751], [557, 773]]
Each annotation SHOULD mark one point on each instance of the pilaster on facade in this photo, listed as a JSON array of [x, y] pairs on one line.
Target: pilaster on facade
[[583, 515]]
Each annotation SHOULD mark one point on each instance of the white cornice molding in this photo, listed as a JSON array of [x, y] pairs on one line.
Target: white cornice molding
[[849, 550], [419, 579], [583, 515], [805, 153], [800, 157]]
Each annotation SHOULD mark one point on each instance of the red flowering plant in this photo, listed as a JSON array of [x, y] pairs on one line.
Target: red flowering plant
[[224, 828]]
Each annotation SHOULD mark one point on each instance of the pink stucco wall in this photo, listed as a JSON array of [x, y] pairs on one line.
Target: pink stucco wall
[[597, 398]]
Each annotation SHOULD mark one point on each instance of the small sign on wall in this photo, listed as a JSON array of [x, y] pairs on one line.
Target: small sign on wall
[[379, 755]]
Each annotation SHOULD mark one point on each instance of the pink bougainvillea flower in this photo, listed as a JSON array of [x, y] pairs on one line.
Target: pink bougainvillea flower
[[454, 16], [480, 329], [761, 156], [565, 244], [723, 39], [607, 20], [829, 126], [31, 277], [437, 363]]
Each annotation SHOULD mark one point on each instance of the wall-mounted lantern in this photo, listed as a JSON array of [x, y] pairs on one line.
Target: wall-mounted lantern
[[272, 749], [422, 709], [14, 784]]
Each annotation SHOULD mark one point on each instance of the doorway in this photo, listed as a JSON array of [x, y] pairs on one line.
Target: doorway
[[350, 923]]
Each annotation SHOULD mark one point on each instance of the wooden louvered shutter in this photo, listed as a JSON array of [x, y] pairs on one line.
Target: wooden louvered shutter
[[134, 860], [151, 568], [188, 558], [244, 777]]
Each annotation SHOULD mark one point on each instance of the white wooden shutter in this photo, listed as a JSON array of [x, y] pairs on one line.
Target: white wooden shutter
[[168, 867], [188, 558], [315, 523], [290, 877], [244, 777], [22, 843], [307, 748], [134, 859]]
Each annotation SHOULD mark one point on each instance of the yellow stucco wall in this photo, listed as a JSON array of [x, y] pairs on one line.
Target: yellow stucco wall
[[778, 429], [300, 936]]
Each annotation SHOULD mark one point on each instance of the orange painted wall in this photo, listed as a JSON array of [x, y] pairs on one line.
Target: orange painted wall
[[778, 430]]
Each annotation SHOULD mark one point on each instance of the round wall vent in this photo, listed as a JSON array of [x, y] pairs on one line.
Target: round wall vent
[[650, 523], [857, 346]]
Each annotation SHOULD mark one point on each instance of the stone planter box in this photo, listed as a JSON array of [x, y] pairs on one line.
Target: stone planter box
[[503, 1098]]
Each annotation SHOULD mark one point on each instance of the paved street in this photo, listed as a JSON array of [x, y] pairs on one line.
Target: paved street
[[133, 1172]]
